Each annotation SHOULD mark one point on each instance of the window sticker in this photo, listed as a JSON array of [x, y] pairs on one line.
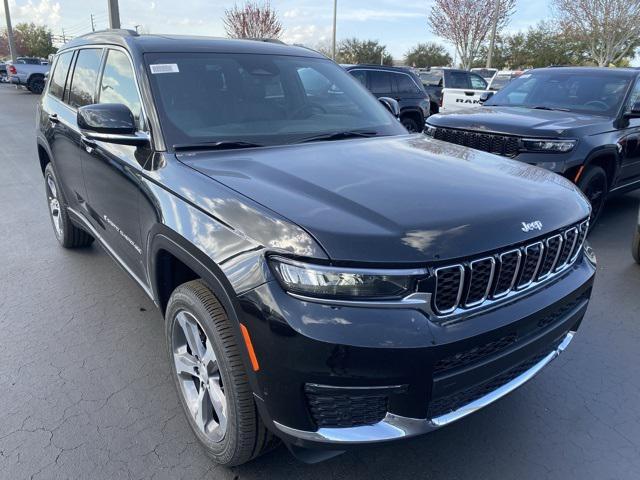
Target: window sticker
[[164, 68]]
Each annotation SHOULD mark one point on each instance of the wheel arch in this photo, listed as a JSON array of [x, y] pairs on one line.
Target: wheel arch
[[44, 155], [607, 158]]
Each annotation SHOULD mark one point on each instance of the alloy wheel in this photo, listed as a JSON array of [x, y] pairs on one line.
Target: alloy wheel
[[199, 376], [54, 206]]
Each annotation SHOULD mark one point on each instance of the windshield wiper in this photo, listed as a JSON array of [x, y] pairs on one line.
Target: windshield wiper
[[542, 107], [222, 145], [339, 136]]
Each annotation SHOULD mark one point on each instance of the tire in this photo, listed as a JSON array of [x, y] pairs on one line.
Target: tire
[[410, 124], [594, 184], [36, 84], [68, 234], [238, 435], [635, 248]]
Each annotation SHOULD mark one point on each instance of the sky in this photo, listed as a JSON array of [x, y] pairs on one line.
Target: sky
[[397, 24]]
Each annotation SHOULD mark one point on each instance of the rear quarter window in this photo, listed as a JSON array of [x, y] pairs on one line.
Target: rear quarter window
[[59, 77]]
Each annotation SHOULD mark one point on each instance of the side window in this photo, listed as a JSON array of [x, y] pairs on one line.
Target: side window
[[380, 82], [59, 77], [315, 84], [405, 84], [477, 82], [634, 97], [85, 74], [457, 80], [118, 84], [360, 75]]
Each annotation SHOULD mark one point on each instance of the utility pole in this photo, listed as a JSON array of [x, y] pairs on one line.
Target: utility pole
[[64, 37], [494, 27], [93, 25], [335, 16], [114, 14], [12, 43]]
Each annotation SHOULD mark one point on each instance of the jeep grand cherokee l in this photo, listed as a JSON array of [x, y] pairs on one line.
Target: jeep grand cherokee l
[[325, 277], [583, 123]]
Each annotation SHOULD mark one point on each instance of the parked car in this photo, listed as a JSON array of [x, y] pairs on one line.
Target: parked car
[[486, 73], [325, 277], [635, 248], [583, 123], [399, 83], [28, 72], [501, 78], [452, 90], [3, 72]]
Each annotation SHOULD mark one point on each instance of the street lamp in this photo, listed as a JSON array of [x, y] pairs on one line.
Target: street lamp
[[335, 15], [12, 43]]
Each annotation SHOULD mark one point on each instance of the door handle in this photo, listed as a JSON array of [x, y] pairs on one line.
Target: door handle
[[53, 118], [469, 94]]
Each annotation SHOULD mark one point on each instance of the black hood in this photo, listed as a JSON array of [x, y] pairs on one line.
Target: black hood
[[403, 199], [524, 122]]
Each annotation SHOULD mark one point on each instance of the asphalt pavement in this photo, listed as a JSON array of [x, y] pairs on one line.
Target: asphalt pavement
[[85, 390]]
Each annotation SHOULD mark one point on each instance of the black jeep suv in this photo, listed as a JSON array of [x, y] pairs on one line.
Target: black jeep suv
[[401, 84], [583, 123], [325, 277]]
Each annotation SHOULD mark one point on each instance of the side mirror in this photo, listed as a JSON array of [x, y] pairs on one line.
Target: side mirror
[[635, 111], [484, 96], [392, 105], [110, 122]]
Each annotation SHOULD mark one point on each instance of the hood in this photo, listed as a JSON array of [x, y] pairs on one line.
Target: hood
[[524, 122], [402, 199]]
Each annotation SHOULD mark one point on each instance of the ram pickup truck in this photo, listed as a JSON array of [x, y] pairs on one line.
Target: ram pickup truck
[[452, 90], [29, 74], [325, 277]]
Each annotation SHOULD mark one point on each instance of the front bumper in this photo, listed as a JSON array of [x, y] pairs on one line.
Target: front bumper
[[395, 427], [434, 374]]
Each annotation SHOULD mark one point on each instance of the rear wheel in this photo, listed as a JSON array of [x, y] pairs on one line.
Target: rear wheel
[[210, 377], [68, 234], [594, 185], [36, 84]]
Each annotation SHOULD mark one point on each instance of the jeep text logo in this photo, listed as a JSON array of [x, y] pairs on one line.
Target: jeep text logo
[[527, 227]]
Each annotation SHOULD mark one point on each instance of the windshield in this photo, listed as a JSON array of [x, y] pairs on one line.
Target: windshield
[[500, 81], [260, 99], [584, 92]]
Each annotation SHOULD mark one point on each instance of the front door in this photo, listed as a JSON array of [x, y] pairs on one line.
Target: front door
[[630, 144], [112, 173]]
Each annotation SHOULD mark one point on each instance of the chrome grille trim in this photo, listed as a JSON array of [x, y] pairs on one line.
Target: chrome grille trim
[[489, 284], [559, 237], [460, 288], [492, 296], [497, 295]]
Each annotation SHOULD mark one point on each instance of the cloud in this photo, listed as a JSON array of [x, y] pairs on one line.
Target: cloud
[[307, 34], [152, 6], [293, 13], [364, 15], [42, 13]]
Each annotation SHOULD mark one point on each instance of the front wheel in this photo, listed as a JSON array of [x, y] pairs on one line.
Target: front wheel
[[595, 187], [410, 124], [210, 377]]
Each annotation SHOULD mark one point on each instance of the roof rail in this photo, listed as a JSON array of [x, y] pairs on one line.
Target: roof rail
[[118, 31]]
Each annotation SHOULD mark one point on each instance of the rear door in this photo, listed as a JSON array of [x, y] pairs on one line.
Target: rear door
[[381, 83], [630, 144], [461, 90]]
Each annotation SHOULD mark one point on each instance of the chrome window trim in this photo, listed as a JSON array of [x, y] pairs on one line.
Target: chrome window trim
[[490, 284], [460, 267], [515, 275], [393, 427]]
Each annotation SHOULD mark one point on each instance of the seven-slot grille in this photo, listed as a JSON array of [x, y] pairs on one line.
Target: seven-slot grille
[[470, 284], [499, 144]]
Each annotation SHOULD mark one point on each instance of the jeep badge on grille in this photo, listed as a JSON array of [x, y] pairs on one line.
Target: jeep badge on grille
[[527, 227]]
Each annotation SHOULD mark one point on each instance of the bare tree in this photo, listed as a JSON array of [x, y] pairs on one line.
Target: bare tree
[[609, 28], [466, 23], [252, 20]]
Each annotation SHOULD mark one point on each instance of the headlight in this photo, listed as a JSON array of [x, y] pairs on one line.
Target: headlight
[[345, 283], [430, 130], [542, 145]]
